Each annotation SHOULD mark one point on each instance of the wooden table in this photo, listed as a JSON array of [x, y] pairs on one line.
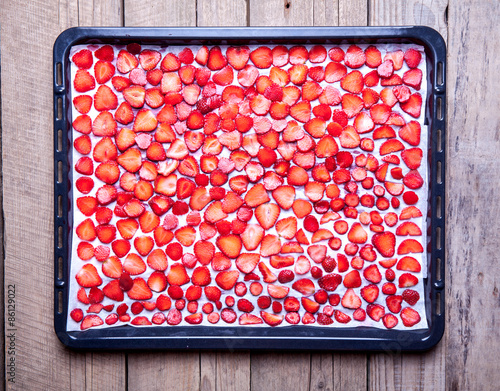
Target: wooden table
[[467, 356]]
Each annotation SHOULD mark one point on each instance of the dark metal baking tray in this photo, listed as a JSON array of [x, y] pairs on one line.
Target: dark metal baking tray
[[234, 338]]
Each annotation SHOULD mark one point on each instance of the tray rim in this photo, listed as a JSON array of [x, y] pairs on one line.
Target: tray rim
[[358, 339]]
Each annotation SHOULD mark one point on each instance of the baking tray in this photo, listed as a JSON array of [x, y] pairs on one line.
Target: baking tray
[[234, 338]]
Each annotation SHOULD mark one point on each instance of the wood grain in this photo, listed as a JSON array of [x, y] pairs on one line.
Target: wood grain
[[160, 13], [221, 13], [41, 360], [326, 12], [224, 370], [394, 371], [430, 13], [473, 281], [156, 369], [280, 13], [353, 13]]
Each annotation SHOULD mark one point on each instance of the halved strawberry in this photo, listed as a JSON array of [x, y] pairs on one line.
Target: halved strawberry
[[90, 321], [412, 157], [410, 317], [104, 125], [252, 236], [354, 57], [267, 214], [83, 81], [126, 61], [304, 286], [413, 180], [413, 105], [410, 133], [88, 276]]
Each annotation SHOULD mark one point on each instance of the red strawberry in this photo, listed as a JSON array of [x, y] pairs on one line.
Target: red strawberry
[[413, 180], [305, 286], [354, 57], [201, 276], [88, 276], [375, 311], [177, 275], [330, 282], [410, 317], [370, 293], [352, 279], [373, 57], [126, 61], [83, 59], [309, 305], [407, 280], [411, 296], [352, 82], [227, 279], [84, 81], [271, 319], [230, 245], [252, 236], [410, 133], [90, 321], [351, 300], [385, 243], [105, 53], [82, 103], [413, 106]]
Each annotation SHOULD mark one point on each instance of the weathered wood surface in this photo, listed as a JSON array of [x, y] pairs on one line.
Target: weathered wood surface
[[465, 359]]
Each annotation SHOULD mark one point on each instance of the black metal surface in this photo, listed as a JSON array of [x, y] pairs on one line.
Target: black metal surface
[[234, 338]]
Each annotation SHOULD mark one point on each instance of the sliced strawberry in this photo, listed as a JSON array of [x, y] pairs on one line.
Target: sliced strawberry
[[410, 133], [126, 61], [252, 236], [104, 125], [82, 103], [413, 106], [330, 282], [177, 275], [410, 317], [304, 286], [413, 180], [352, 82], [270, 245], [355, 57], [262, 57], [88, 276], [83, 81], [90, 321]]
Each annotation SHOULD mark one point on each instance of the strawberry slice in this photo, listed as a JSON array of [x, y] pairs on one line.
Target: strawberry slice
[[354, 57], [270, 245], [267, 214], [90, 321], [88, 276], [252, 236], [412, 157], [411, 133], [262, 57], [229, 245], [309, 305], [385, 243], [413, 78], [126, 61], [410, 317], [304, 286], [83, 81], [271, 319], [353, 82], [413, 180], [413, 105], [277, 291]]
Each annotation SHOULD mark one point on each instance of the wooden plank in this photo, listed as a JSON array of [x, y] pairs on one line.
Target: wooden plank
[[224, 370], [473, 138], [156, 369], [100, 13], [160, 13], [164, 371], [321, 372], [430, 13], [102, 371], [280, 13], [326, 12], [353, 13], [41, 361], [394, 371], [280, 371], [222, 13], [349, 371]]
